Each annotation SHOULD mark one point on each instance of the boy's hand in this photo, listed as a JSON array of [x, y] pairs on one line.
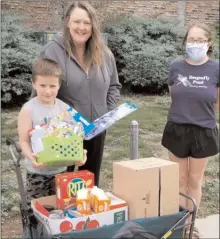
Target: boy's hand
[[84, 159], [35, 163]]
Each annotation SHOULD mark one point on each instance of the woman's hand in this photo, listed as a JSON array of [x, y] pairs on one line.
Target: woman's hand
[[84, 159], [35, 163]]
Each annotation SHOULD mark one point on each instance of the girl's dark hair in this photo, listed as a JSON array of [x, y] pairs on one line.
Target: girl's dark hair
[[208, 34]]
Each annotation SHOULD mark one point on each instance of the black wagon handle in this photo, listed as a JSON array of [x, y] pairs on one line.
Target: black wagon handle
[[187, 215], [193, 213], [12, 143]]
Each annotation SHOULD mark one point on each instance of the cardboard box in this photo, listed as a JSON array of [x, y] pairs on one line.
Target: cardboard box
[[118, 214], [150, 186], [67, 184]]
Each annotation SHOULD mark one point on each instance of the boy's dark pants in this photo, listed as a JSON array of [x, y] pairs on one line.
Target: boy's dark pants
[[38, 186], [94, 149]]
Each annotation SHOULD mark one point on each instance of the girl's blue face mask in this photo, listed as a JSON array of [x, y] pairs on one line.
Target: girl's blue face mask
[[196, 52]]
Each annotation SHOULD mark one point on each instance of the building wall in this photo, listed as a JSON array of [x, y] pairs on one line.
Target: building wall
[[48, 15]]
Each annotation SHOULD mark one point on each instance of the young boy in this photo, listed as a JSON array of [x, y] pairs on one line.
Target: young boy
[[46, 80]]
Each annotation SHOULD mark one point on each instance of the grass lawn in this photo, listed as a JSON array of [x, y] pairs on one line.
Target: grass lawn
[[151, 116]]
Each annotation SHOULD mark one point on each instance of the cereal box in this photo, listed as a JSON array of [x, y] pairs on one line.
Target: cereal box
[[67, 185]]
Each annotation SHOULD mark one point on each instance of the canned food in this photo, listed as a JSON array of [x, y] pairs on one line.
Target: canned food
[[56, 214]]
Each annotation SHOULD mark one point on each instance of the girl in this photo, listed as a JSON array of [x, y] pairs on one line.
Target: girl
[[191, 133]]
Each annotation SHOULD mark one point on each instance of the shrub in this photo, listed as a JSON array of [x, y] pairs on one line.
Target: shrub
[[143, 49], [217, 33], [18, 51], [216, 40]]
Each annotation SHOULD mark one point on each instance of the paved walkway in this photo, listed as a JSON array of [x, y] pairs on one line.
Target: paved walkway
[[209, 226]]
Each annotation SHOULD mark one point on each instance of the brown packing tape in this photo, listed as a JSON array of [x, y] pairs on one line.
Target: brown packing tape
[[147, 200]]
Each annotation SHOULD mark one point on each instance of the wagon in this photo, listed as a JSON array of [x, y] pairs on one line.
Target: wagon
[[161, 227]]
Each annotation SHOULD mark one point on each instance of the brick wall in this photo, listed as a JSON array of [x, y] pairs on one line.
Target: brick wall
[[204, 11], [145, 8], [48, 15]]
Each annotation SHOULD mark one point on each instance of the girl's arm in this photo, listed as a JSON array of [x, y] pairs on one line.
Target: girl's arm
[[24, 125]]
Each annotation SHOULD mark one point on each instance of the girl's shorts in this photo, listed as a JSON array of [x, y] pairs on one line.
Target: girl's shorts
[[186, 140]]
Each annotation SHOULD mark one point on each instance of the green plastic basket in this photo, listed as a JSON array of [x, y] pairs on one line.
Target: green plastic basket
[[61, 151]]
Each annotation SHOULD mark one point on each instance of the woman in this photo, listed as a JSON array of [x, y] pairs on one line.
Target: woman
[[90, 81], [191, 133]]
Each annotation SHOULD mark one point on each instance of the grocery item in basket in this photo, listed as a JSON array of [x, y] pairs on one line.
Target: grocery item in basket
[[67, 185], [72, 117], [108, 119], [36, 135], [60, 142], [100, 202], [57, 123], [83, 201], [77, 117], [57, 146]]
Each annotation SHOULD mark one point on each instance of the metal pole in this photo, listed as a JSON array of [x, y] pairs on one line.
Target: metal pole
[[134, 139]]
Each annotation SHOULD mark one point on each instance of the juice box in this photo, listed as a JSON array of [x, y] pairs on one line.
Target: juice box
[[100, 205], [100, 202], [67, 185], [83, 202]]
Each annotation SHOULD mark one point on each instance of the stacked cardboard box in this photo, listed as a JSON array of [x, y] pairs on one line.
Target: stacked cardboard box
[[150, 186]]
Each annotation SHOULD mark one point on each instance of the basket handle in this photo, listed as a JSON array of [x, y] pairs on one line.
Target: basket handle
[[60, 130]]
